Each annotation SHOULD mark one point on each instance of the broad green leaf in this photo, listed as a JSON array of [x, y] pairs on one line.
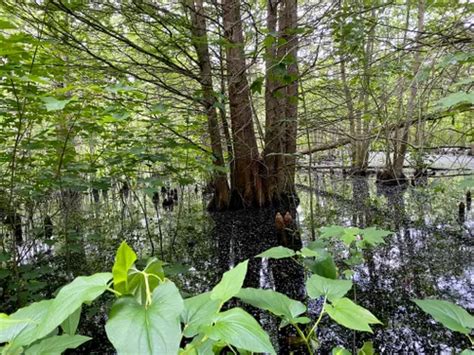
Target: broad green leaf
[[366, 349], [349, 235], [36, 312], [331, 231], [277, 253], [318, 286], [70, 298], [374, 236], [124, 260], [134, 329], [238, 328], [323, 266], [308, 253], [272, 301], [467, 352], [317, 245], [339, 350], [55, 345], [53, 104], [11, 327], [198, 311], [449, 314], [351, 315], [346, 234], [231, 283], [69, 326]]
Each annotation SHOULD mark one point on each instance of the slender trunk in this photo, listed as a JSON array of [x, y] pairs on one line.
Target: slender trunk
[[400, 159], [222, 110], [310, 169], [221, 196], [363, 151], [350, 109], [291, 112]]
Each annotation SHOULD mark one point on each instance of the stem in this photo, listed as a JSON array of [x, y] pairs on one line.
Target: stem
[[305, 339], [115, 292], [319, 318], [147, 288]]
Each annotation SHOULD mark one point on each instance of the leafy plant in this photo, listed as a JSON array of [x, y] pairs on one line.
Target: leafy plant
[[450, 315], [146, 318], [332, 290]]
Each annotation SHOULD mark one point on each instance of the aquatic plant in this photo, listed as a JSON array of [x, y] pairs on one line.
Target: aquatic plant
[[150, 316]]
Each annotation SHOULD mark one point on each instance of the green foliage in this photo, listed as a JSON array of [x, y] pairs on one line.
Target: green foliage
[[69, 326], [318, 286], [231, 283], [149, 312], [366, 349], [449, 314], [198, 311], [55, 345], [278, 252], [152, 329], [351, 315], [53, 104], [124, 260], [276, 303], [238, 328], [456, 98]]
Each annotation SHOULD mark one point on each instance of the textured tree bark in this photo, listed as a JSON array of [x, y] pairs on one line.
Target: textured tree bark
[[281, 102], [273, 129], [291, 107], [246, 189], [221, 196]]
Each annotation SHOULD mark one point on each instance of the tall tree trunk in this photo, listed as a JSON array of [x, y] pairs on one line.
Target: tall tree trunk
[[246, 187], [364, 143], [281, 102], [198, 29], [273, 126], [350, 110], [400, 158], [291, 107]]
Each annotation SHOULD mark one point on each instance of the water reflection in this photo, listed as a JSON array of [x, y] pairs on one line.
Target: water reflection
[[427, 257], [430, 255]]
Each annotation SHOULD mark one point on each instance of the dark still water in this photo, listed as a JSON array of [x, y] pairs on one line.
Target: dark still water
[[430, 254]]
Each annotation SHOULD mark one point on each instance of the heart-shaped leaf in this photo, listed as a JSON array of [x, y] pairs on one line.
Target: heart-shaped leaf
[[231, 283], [449, 314], [318, 286], [238, 328], [133, 328], [351, 315]]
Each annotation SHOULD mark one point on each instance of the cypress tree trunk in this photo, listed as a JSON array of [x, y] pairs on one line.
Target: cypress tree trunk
[[246, 187], [273, 124], [198, 29], [291, 107], [281, 98]]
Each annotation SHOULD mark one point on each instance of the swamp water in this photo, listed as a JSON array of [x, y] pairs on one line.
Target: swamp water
[[430, 255]]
